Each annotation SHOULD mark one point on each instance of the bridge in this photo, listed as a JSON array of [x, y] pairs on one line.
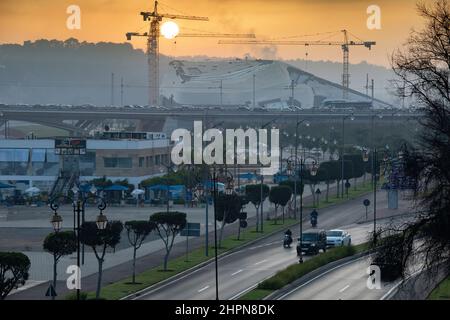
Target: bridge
[[84, 118]]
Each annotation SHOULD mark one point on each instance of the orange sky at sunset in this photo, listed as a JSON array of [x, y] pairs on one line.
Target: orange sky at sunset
[[109, 20]]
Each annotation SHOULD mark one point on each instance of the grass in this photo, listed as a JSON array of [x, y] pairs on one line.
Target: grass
[[296, 271], [122, 288], [152, 276], [442, 292], [333, 200]]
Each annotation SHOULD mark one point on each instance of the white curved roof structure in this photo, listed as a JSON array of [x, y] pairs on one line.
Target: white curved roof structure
[[210, 82]]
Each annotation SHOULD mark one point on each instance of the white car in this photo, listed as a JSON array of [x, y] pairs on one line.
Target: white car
[[336, 238]]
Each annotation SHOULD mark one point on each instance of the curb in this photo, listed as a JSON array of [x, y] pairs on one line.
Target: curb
[[181, 274], [162, 283], [278, 294]]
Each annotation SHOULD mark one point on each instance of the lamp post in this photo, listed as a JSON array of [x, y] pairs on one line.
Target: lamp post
[[297, 125], [78, 206], [170, 167], [262, 178], [375, 176], [295, 167], [351, 117]]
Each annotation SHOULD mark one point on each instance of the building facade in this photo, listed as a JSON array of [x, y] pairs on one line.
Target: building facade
[[35, 162]]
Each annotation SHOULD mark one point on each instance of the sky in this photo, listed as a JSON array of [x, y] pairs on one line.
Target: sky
[[109, 20]]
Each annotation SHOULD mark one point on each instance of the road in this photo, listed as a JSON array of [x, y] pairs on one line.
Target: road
[[346, 282], [240, 271]]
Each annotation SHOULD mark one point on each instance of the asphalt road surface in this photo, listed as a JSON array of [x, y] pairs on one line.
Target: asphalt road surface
[[241, 271], [346, 282]]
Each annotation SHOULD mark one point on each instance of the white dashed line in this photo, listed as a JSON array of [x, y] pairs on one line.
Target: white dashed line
[[203, 289], [260, 262], [344, 288], [239, 271]]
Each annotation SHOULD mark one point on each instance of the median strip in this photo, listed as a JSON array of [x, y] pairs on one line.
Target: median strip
[[197, 259], [294, 272]]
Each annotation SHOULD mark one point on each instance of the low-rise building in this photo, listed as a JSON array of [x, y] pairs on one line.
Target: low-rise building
[[36, 162]]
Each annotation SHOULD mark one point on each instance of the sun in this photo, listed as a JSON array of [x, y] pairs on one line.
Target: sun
[[169, 30]]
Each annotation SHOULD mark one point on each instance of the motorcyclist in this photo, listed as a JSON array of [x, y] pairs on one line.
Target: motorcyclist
[[313, 216], [287, 238]]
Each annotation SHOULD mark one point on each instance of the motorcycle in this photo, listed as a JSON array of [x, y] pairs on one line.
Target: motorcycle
[[287, 241], [313, 222]]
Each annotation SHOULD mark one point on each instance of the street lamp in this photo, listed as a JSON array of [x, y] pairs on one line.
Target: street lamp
[[294, 168], [101, 221], [170, 168], [297, 125], [351, 117], [56, 222], [78, 208]]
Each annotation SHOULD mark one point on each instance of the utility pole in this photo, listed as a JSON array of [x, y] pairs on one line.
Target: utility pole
[[367, 84], [292, 95], [121, 91], [254, 91], [112, 88], [221, 92], [373, 88]]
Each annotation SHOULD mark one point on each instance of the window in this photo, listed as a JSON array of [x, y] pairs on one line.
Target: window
[[149, 161], [141, 162], [117, 162], [38, 155], [158, 159]]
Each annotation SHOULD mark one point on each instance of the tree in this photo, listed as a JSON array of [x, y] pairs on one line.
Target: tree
[[14, 268], [280, 196], [291, 183], [168, 225], [423, 69], [228, 210], [358, 166], [137, 232], [99, 241], [330, 172], [253, 194], [59, 244]]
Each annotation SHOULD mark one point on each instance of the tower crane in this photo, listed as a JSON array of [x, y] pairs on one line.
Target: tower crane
[[345, 45], [153, 35]]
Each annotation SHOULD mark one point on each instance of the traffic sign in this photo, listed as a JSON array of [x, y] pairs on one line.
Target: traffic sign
[[51, 292], [191, 230], [243, 224], [366, 202]]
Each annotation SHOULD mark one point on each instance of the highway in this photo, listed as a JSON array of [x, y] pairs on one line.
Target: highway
[[242, 270], [346, 282]]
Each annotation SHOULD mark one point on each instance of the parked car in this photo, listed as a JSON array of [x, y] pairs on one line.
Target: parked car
[[337, 238], [312, 242]]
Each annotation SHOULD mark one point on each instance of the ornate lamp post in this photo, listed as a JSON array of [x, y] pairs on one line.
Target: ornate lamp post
[[294, 168], [78, 208]]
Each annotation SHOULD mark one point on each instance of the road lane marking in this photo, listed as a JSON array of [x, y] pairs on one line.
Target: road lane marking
[[260, 262], [203, 289], [344, 288], [235, 273], [320, 276]]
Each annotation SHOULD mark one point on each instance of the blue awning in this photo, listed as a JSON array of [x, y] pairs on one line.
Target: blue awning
[[6, 186], [116, 187], [248, 176]]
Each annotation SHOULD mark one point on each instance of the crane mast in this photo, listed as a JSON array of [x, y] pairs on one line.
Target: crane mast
[[153, 35]]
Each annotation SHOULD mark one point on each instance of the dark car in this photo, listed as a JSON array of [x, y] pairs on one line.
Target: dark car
[[312, 242]]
